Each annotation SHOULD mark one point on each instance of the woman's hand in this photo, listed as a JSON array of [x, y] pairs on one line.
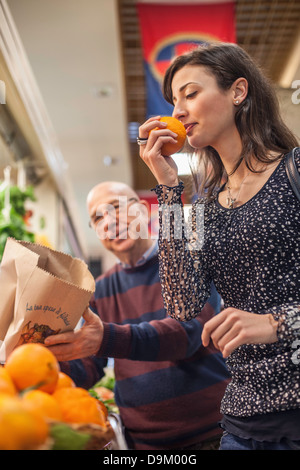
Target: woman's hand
[[231, 328], [80, 343], [163, 168]]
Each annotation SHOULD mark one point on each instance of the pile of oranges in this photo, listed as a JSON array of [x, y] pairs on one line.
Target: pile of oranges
[[34, 394]]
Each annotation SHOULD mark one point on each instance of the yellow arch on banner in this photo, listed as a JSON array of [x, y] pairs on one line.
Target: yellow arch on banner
[[177, 37]]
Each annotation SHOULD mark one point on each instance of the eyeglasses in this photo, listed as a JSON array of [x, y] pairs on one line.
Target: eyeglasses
[[112, 209]]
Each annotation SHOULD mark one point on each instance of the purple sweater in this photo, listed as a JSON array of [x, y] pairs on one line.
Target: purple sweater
[[168, 386]]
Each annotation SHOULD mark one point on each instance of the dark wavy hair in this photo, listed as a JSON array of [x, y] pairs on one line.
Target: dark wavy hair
[[257, 119]]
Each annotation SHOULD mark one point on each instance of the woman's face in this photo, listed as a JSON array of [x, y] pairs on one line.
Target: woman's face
[[206, 111]]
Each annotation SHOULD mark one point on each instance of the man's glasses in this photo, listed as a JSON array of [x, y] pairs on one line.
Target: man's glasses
[[112, 209]]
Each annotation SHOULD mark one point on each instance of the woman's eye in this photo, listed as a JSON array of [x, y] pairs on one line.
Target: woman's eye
[[190, 95]]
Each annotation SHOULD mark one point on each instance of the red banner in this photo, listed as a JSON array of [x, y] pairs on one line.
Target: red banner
[[169, 30]]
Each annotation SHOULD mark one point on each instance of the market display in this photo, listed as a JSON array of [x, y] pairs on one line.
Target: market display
[[41, 407]]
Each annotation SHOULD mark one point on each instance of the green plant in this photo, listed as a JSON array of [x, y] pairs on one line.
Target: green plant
[[15, 226]]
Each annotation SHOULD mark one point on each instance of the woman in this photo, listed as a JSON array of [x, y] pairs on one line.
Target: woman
[[251, 240]]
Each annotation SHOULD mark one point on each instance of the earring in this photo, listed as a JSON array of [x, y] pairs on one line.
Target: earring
[[237, 102]]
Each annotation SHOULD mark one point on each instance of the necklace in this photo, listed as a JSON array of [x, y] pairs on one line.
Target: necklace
[[230, 200]]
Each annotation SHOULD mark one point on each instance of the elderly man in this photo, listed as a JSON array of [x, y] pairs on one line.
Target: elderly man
[[168, 386]]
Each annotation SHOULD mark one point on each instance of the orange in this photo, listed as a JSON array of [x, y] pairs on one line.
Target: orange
[[86, 410], [70, 393], [103, 408], [42, 403], [33, 365], [64, 381], [6, 383], [175, 126], [78, 406], [20, 429]]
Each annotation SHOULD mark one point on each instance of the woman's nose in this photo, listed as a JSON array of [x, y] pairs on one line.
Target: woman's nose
[[178, 111]]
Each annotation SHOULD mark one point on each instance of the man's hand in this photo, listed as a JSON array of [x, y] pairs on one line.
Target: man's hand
[[232, 327], [83, 342]]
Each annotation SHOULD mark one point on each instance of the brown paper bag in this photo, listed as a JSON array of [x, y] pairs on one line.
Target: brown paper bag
[[43, 292]]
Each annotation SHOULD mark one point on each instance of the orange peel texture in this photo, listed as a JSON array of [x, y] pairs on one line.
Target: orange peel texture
[[175, 126]]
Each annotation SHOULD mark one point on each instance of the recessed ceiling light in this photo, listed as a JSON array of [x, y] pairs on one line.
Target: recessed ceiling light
[[103, 90]]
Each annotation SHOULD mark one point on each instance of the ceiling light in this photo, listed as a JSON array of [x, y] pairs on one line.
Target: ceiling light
[[103, 90], [109, 161]]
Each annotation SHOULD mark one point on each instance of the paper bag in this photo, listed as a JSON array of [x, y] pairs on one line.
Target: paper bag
[[42, 292]]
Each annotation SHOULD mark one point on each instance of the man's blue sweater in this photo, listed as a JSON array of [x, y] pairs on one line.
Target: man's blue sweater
[[168, 386]]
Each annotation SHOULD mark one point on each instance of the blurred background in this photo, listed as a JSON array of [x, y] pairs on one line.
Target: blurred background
[[73, 89]]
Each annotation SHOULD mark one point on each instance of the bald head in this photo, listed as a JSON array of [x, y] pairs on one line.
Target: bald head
[[108, 190]]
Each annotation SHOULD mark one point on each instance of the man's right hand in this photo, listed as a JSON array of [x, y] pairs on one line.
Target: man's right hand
[[80, 343]]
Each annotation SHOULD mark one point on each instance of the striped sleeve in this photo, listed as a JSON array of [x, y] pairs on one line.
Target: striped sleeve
[[157, 340]]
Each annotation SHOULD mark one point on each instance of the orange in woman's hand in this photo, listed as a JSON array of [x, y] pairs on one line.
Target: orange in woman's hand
[[175, 126]]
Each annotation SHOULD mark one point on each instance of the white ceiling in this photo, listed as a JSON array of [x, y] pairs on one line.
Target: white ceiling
[[73, 47]]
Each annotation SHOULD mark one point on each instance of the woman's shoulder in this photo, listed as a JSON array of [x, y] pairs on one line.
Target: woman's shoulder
[[296, 154], [297, 157]]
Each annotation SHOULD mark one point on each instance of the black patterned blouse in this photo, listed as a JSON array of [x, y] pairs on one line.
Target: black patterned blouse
[[252, 254]]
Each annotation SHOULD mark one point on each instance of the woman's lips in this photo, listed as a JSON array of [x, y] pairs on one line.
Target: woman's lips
[[189, 127]]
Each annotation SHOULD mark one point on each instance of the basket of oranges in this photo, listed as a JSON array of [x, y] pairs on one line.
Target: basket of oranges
[[42, 408]]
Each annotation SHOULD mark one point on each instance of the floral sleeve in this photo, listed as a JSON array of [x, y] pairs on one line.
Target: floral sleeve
[[185, 280], [288, 317]]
